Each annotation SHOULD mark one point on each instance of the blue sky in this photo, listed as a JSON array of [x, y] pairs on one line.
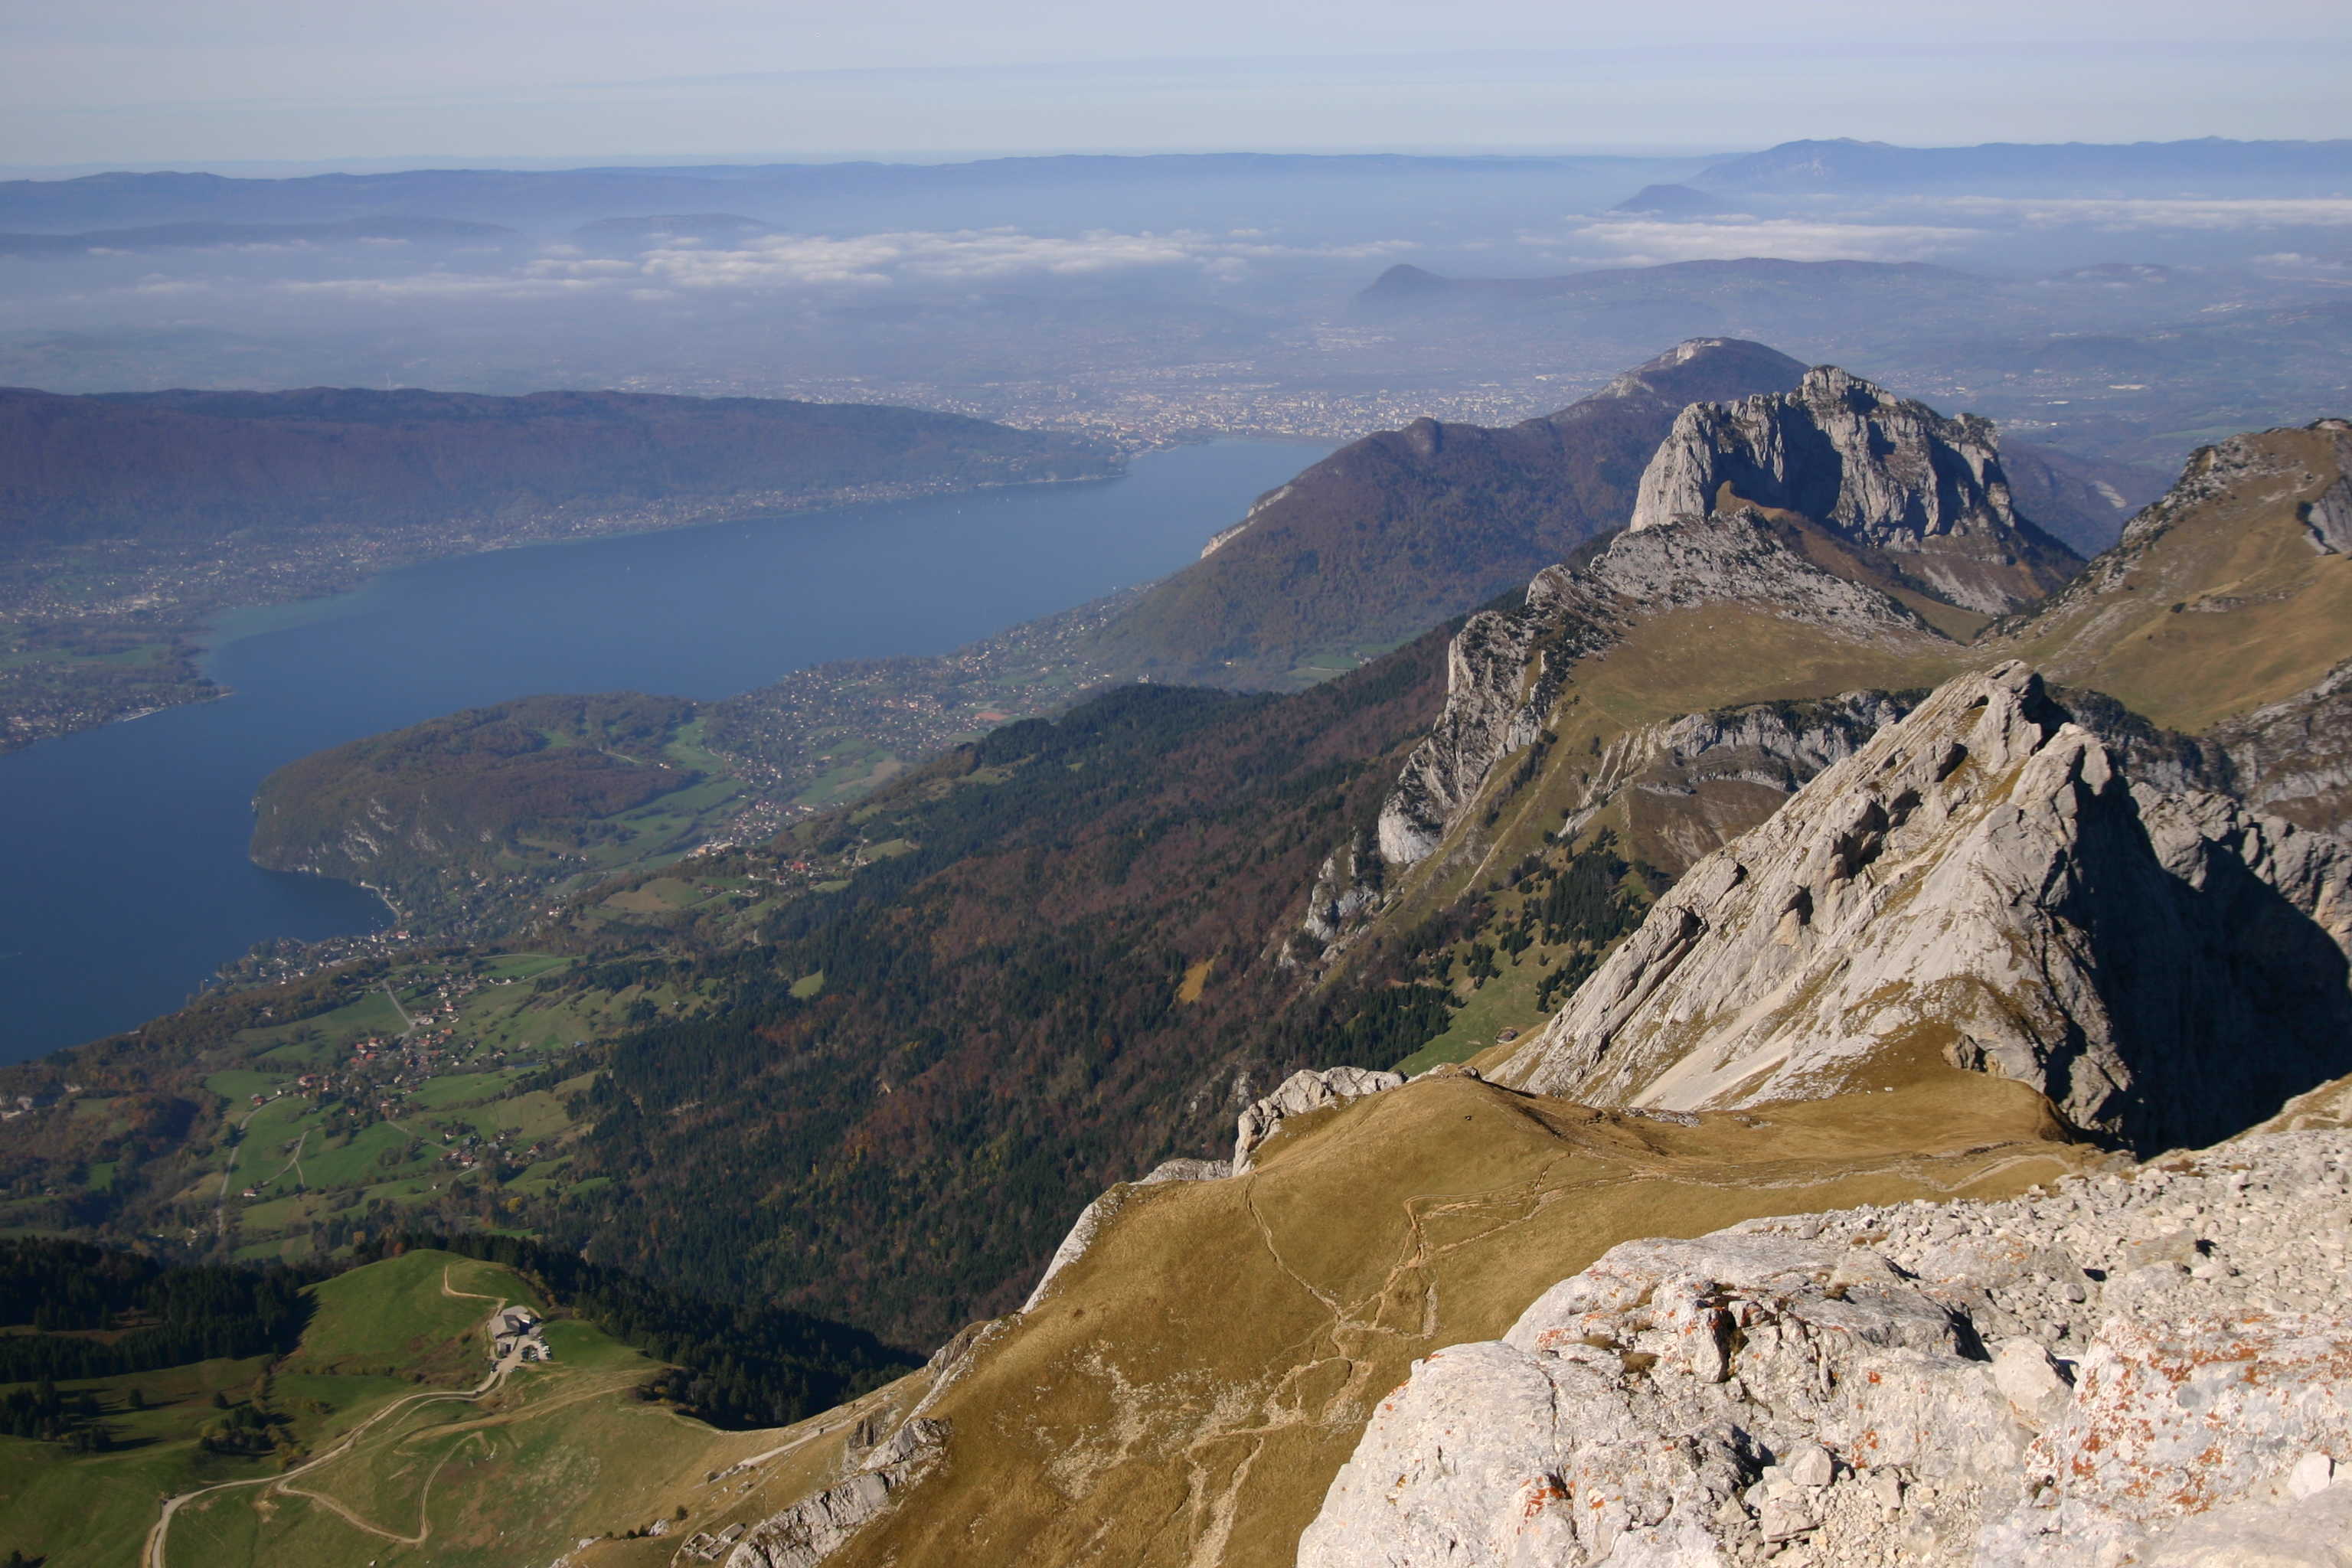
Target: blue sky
[[213, 82]]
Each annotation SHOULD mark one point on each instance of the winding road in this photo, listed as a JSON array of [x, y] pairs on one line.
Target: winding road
[[152, 1556]]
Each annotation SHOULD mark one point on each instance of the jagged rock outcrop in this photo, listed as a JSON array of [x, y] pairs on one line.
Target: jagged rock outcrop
[[2328, 521], [1303, 1091], [1884, 472], [1349, 891], [812, 1529], [1505, 669], [1489, 711], [1694, 784], [2148, 1367], [2294, 759], [1107, 1206], [1981, 885]]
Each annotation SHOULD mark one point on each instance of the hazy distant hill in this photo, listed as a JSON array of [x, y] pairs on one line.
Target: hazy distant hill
[[196, 235], [1671, 201], [197, 464], [1816, 165]]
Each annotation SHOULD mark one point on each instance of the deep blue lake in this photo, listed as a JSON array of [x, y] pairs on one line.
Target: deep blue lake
[[125, 876]]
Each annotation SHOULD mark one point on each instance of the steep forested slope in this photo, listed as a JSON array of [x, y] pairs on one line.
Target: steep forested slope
[[1065, 971]]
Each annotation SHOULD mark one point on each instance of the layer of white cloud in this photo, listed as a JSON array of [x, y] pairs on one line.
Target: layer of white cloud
[[959, 257], [2213, 215], [1641, 242], [970, 256]]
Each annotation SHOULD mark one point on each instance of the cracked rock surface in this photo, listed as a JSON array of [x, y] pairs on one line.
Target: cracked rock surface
[[2139, 1366]]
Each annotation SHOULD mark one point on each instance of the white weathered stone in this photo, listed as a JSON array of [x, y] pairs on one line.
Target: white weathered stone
[[1590, 1434], [1301, 1092], [2030, 1381]]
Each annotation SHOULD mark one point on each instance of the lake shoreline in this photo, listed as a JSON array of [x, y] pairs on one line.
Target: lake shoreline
[[133, 838]]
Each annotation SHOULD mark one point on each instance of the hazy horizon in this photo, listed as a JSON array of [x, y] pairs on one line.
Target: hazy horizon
[[126, 83]]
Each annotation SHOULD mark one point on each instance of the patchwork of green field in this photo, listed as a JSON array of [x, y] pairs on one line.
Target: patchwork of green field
[[395, 1442], [68, 1510], [378, 1333], [428, 1080]]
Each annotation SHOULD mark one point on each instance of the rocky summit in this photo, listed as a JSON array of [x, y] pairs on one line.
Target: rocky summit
[[1982, 884], [1888, 473]]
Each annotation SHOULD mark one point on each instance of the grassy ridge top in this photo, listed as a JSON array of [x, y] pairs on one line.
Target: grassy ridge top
[[1235, 1335]]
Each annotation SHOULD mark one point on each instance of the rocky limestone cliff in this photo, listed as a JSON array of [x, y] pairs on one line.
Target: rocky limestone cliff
[[2148, 1367], [1303, 1091], [1692, 784], [812, 1529], [1982, 886], [2294, 759], [1504, 669], [1886, 473], [1688, 787]]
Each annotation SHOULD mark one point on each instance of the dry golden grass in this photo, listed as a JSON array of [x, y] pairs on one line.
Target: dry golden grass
[[1189, 1389], [2229, 609]]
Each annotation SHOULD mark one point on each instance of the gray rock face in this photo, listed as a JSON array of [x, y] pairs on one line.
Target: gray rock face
[[1884, 471], [814, 1528], [1350, 889], [2294, 758], [2007, 1385], [1503, 669], [1488, 714], [2327, 522], [1982, 884], [1696, 783], [1301, 1092]]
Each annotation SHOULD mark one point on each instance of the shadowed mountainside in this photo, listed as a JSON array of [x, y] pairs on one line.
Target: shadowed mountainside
[[184, 466], [1401, 529]]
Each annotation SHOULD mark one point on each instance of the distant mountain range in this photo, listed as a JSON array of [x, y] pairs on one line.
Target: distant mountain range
[[201, 234], [520, 194], [1846, 163], [511, 195]]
